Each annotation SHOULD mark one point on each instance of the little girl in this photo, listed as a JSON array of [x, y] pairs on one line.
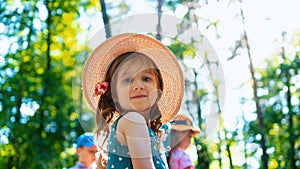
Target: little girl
[[135, 84], [182, 131]]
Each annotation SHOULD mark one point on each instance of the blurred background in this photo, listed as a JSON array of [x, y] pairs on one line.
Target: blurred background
[[248, 114]]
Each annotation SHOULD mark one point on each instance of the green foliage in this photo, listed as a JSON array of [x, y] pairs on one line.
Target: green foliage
[[36, 84], [182, 50], [279, 83], [203, 154], [37, 114]]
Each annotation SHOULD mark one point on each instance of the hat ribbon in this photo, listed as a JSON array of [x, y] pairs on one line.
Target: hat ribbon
[[100, 88], [181, 122]]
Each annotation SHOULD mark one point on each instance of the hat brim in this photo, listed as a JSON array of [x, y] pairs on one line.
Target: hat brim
[[194, 129], [100, 59], [86, 145]]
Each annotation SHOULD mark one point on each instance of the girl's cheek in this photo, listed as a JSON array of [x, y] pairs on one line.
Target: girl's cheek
[[153, 95]]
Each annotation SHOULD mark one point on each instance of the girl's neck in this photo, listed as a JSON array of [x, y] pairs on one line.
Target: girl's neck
[[145, 114], [179, 147]]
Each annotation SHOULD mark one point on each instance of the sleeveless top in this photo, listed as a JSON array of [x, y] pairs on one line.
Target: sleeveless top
[[118, 154]]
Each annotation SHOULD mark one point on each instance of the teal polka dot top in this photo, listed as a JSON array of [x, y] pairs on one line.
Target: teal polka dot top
[[119, 156]]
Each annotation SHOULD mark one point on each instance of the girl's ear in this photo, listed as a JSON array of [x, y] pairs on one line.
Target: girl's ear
[[78, 150]]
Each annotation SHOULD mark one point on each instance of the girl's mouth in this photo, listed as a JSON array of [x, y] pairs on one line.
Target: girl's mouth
[[138, 96]]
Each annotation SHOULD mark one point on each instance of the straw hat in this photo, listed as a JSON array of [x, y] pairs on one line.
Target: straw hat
[[96, 66], [183, 122]]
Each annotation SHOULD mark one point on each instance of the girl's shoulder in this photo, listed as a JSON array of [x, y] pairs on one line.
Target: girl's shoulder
[[131, 128], [133, 117], [128, 117], [131, 122]]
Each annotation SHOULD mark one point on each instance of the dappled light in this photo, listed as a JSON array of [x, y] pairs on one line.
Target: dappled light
[[241, 70]]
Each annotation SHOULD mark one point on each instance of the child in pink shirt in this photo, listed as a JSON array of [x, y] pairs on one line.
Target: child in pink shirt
[[182, 130]]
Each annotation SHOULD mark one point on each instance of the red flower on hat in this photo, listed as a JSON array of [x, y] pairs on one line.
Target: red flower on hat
[[100, 88]]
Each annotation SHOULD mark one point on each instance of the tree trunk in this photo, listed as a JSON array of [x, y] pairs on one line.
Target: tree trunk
[[256, 99], [16, 160], [219, 111], [291, 161], [105, 19], [229, 155], [47, 71], [203, 160], [291, 152], [158, 27]]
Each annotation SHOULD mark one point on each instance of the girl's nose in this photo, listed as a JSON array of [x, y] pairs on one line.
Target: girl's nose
[[138, 86]]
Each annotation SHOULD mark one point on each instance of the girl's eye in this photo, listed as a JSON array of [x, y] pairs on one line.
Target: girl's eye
[[127, 80], [146, 78]]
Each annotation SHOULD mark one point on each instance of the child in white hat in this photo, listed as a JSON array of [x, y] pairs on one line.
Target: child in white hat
[[182, 131]]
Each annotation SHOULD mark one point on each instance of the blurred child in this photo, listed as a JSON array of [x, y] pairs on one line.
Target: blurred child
[[86, 150], [182, 130]]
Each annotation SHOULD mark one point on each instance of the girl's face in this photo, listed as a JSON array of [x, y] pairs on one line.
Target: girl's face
[[186, 139], [136, 86]]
